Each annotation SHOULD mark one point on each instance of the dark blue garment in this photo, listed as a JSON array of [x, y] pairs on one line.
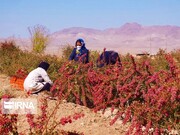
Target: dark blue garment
[[82, 55], [44, 65], [108, 57]]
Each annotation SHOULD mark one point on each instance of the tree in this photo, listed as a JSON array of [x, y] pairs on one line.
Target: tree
[[39, 38]]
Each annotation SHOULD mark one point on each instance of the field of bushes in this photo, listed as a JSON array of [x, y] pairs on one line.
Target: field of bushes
[[145, 90]]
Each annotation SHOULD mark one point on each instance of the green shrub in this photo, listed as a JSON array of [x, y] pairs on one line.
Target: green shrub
[[66, 51], [39, 38], [12, 59], [9, 53], [159, 62], [176, 55], [94, 55]]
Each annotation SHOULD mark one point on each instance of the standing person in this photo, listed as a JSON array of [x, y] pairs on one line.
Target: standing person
[[38, 79], [108, 57], [80, 53]]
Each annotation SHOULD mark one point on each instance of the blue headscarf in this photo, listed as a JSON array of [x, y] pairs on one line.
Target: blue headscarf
[[82, 46], [76, 54]]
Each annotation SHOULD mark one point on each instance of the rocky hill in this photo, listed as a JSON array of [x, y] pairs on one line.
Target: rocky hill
[[131, 37]]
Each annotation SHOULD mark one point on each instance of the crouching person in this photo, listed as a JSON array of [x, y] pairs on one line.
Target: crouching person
[[38, 79], [108, 57]]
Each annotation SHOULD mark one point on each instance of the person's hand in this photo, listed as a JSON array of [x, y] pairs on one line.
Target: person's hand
[[70, 61]]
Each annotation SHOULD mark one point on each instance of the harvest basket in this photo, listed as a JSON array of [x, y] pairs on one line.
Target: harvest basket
[[17, 83]]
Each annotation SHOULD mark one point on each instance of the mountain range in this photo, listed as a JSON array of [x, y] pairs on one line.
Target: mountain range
[[129, 38]]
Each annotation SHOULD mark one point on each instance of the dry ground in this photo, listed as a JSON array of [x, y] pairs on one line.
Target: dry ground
[[91, 124]]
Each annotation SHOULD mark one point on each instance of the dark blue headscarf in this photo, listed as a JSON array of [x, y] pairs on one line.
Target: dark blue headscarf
[[44, 65], [75, 55], [82, 46]]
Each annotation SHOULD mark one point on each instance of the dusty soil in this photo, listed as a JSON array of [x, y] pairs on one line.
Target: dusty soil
[[91, 124]]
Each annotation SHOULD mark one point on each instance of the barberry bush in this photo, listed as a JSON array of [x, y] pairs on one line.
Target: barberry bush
[[146, 97], [8, 122], [145, 91]]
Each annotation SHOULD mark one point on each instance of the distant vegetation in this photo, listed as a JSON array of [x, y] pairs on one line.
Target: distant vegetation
[[13, 58]]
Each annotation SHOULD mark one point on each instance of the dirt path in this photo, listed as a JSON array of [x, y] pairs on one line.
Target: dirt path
[[91, 124]]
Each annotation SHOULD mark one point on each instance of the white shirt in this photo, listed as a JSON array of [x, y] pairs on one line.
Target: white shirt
[[35, 79]]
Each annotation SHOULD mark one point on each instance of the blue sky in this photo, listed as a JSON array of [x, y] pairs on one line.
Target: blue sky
[[17, 15]]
